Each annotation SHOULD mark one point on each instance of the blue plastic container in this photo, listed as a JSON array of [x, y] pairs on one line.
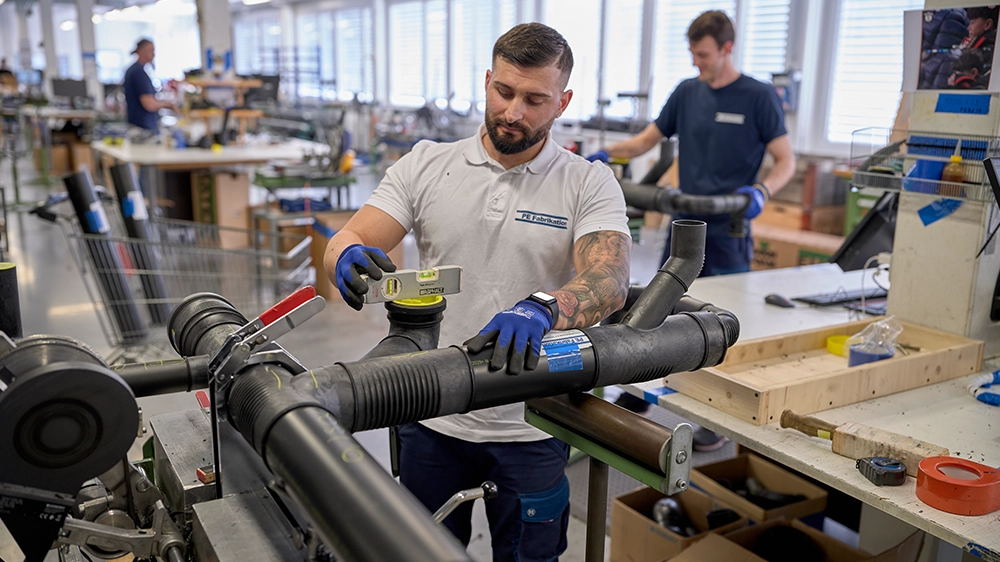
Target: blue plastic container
[[860, 353]]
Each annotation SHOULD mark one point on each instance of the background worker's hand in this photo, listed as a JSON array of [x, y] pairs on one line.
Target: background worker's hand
[[524, 324], [758, 197], [353, 261], [600, 155]]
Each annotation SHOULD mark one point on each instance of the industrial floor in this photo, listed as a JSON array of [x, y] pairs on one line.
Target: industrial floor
[[54, 300]]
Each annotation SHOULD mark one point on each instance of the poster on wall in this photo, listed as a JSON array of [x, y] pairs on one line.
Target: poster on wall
[[951, 49]]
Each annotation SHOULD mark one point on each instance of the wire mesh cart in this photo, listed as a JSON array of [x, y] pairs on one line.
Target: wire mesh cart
[[134, 284]]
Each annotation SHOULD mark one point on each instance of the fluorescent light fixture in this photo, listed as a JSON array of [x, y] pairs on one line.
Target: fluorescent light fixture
[[274, 30], [68, 25], [96, 18], [254, 2]]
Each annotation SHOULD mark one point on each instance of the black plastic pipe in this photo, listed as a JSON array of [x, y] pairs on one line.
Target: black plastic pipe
[[105, 258], [662, 165], [358, 509], [145, 256], [671, 200], [164, 377], [687, 256], [10, 303]]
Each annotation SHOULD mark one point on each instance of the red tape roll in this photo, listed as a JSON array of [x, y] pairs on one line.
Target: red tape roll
[[958, 486]]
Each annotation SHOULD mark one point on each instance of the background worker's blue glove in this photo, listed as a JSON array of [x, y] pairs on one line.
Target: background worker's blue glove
[[524, 323], [353, 261], [758, 197], [601, 155]]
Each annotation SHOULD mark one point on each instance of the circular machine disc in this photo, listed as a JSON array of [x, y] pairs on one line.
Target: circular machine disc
[[65, 418]]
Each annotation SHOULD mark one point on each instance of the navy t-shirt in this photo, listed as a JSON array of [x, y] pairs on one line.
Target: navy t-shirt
[[722, 137], [137, 84]]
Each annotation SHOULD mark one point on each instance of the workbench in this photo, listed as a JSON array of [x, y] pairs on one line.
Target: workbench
[[944, 414], [154, 160]]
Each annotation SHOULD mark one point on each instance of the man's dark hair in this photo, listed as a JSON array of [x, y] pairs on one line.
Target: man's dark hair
[[714, 24], [142, 43], [534, 45], [969, 60], [984, 12]]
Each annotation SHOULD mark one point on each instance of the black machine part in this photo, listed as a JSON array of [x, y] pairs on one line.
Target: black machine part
[[671, 201], [882, 471]]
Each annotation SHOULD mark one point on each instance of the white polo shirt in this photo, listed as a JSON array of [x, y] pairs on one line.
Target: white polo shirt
[[512, 231]]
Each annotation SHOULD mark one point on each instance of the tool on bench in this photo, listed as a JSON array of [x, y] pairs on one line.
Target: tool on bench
[[414, 283], [858, 441], [958, 486], [882, 471]]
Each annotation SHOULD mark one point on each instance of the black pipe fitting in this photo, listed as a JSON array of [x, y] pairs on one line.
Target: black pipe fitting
[[201, 323], [687, 256], [164, 377]]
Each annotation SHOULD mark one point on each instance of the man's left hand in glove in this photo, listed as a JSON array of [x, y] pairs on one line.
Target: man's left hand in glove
[[759, 195], [516, 334]]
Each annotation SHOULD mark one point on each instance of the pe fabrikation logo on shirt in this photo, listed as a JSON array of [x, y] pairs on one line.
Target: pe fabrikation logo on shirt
[[542, 219]]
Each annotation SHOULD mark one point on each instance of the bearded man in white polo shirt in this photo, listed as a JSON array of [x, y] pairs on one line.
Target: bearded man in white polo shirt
[[542, 236]]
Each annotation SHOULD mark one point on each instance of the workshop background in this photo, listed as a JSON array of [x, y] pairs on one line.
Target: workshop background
[[299, 107]]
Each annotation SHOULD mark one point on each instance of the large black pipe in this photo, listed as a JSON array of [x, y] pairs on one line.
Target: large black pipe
[[662, 165], [687, 256], [145, 256], [670, 200], [10, 303], [164, 377], [358, 509], [106, 260]]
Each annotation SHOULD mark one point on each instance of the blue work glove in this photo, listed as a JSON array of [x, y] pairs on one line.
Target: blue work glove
[[524, 323], [353, 261], [758, 196], [601, 155]]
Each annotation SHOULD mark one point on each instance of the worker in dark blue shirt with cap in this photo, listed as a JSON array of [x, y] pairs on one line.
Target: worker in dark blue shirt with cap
[[140, 95], [725, 122]]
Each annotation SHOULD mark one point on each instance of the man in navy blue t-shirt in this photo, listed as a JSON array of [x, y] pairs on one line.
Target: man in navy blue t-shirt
[[140, 95], [725, 122]]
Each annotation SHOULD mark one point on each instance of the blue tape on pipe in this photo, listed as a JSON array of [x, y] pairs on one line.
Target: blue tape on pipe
[[563, 353], [968, 104]]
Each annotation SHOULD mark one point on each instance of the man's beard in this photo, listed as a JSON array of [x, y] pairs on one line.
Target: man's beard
[[507, 145]]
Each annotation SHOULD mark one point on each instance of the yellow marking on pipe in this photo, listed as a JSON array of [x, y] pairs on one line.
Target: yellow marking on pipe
[[315, 382], [353, 455], [275, 376]]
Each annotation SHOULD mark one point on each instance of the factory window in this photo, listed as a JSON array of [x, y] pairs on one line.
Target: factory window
[[354, 58], [310, 65], [867, 66], [418, 52], [671, 54], [762, 37], [579, 21], [476, 25], [623, 48], [257, 43]]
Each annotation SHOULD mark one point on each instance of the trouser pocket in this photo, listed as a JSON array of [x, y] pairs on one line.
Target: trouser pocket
[[544, 517]]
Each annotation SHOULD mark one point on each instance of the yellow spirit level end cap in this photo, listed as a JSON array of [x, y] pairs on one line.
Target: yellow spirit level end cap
[[422, 301]]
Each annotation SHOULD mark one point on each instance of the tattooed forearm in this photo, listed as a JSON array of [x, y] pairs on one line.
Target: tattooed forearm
[[601, 285]]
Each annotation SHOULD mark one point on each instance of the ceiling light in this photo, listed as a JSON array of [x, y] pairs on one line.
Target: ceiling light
[[254, 2], [68, 25], [96, 18]]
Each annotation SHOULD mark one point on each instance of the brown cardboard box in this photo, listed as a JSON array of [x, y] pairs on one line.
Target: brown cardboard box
[[223, 199], [82, 157], [716, 548], [827, 219], [770, 476], [834, 550], [636, 537], [776, 247], [59, 161]]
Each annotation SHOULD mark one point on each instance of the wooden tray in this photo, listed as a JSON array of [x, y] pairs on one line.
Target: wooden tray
[[761, 378]]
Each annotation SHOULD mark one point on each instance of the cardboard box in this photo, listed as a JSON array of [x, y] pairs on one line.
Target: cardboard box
[[770, 476], [827, 219], [59, 161], [636, 537], [82, 157], [716, 548], [776, 247], [834, 550], [223, 199]]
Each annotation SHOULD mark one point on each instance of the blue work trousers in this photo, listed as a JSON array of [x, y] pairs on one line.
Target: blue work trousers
[[529, 516]]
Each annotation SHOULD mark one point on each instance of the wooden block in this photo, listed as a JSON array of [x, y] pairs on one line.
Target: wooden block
[[858, 441], [761, 378]]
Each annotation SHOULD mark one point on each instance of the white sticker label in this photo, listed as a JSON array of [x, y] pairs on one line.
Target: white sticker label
[[139, 211], [731, 118]]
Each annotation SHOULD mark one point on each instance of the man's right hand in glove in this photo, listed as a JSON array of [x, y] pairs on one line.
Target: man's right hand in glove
[[355, 260]]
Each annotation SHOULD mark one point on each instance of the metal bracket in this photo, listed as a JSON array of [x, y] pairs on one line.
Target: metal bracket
[[677, 461], [143, 543]]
